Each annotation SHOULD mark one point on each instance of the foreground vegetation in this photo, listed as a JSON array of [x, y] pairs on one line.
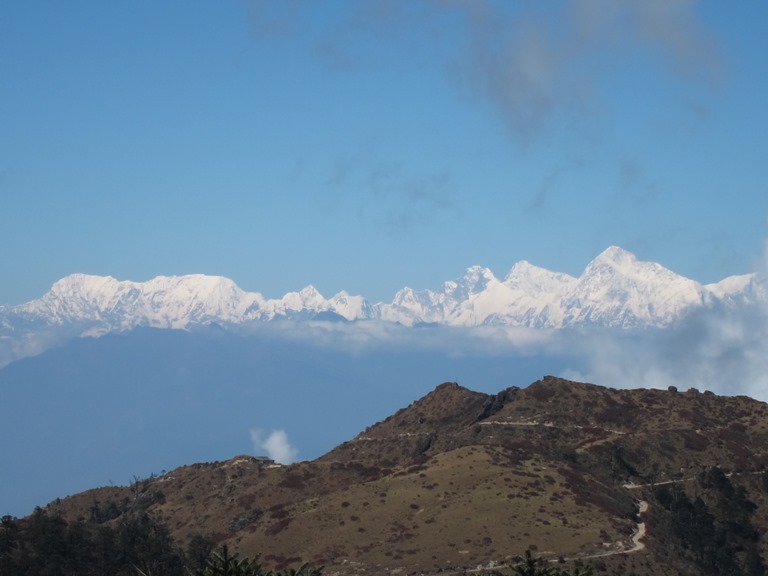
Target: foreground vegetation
[[132, 544]]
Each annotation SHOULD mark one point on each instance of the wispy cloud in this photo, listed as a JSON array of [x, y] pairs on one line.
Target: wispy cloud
[[276, 445], [534, 64], [530, 63]]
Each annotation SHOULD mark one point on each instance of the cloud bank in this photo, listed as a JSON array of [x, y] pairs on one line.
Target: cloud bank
[[723, 349]]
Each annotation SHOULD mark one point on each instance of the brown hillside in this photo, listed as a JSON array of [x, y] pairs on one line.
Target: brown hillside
[[461, 479]]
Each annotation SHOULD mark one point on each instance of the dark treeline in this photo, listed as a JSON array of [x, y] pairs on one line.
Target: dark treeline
[[46, 544], [118, 542]]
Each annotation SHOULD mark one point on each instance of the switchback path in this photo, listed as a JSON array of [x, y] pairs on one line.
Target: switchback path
[[637, 539]]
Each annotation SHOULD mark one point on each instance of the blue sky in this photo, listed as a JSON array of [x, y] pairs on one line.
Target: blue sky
[[370, 145]]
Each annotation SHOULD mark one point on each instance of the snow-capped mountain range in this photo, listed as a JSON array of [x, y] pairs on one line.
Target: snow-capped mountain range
[[615, 290]]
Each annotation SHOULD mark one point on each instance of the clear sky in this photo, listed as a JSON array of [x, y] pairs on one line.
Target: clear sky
[[369, 145]]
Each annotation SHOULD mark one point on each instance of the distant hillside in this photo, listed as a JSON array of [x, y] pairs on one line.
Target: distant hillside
[[631, 481], [103, 410]]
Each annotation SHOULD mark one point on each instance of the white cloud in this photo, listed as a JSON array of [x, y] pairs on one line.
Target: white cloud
[[725, 351], [276, 445]]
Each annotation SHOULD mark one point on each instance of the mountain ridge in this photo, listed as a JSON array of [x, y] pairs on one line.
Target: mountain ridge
[[616, 290]]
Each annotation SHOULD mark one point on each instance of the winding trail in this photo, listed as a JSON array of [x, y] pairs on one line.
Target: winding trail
[[640, 534], [637, 539]]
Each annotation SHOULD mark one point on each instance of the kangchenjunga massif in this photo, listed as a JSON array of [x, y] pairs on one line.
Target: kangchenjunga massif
[[615, 290]]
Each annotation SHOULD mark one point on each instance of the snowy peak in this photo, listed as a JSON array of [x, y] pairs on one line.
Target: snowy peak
[[616, 257], [738, 290], [531, 279], [618, 290], [307, 298], [351, 307], [616, 262], [475, 280]]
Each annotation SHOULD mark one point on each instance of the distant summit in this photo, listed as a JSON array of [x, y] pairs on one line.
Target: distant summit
[[615, 290]]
